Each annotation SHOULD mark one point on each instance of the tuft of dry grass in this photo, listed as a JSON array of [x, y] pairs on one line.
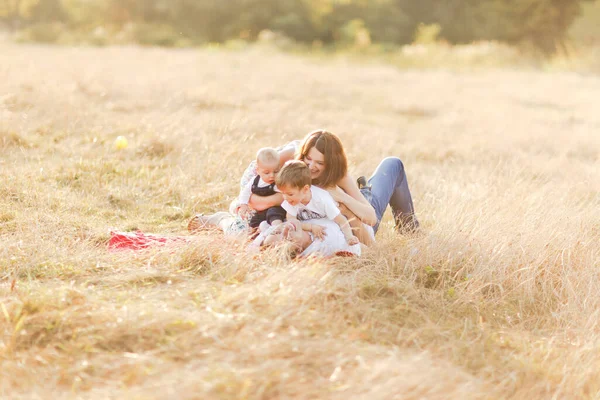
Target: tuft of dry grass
[[12, 139], [498, 297]]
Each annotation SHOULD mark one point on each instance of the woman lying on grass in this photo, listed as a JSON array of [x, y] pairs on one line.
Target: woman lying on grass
[[363, 204], [302, 243]]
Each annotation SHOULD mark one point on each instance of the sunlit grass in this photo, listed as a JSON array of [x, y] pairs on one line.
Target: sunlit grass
[[497, 298]]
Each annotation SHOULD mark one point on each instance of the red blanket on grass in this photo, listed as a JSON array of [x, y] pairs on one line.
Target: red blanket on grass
[[139, 240]]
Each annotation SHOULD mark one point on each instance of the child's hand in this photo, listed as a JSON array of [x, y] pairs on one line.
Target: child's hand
[[318, 231], [352, 240], [287, 228], [242, 210]]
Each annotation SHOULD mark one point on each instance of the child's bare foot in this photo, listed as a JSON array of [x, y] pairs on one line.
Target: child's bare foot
[[263, 226], [287, 229], [352, 240]]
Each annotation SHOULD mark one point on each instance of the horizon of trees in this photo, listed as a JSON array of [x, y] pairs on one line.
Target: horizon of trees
[[543, 23]]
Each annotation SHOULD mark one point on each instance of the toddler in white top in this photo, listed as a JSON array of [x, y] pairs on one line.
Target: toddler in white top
[[267, 166], [304, 202]]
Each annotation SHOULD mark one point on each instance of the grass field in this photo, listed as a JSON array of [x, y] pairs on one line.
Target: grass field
[[498, 298]]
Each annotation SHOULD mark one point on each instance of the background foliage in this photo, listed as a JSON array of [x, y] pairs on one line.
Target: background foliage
[[543, 23]]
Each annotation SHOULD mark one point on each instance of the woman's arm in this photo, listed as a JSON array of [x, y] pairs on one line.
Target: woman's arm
[[358, 228], [344, 225], [261, 203], [347, 193], [286, 155]]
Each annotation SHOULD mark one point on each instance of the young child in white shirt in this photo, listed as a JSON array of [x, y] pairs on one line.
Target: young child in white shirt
[[304, 202], [267, 166]]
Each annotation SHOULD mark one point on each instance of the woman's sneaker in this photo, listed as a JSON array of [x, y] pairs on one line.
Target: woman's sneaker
[[364, 188], [362, 182]]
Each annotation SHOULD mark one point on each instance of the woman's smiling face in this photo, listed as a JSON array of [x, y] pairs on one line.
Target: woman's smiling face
[[316, 162]]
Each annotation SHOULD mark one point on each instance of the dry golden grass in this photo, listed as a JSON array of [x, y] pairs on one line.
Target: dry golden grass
[[498, 298]]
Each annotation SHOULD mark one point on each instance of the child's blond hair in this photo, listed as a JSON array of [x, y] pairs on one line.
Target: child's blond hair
[[267, 155]]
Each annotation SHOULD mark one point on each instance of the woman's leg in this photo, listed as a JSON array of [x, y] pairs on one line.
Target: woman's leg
[[390, 186]]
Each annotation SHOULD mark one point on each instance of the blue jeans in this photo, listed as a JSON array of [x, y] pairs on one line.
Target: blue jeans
[[389, 185]]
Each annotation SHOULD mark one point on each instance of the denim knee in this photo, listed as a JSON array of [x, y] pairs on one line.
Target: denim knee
[[392, 164]]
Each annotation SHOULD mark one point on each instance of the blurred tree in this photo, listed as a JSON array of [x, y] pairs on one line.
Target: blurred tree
[[388, 23], [295, 19], [48, 11], [586, 28], [541, 22], [15, 13], [85, 13]]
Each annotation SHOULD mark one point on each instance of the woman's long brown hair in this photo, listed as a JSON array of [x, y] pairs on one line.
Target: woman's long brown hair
[[336, 164]]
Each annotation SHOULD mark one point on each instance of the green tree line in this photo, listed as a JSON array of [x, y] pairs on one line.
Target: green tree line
[[543, 23]]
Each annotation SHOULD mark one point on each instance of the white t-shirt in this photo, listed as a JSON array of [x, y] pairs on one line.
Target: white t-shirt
[[333, 242], [321, 206]]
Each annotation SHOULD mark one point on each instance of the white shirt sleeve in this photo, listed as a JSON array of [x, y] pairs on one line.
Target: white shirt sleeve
[[248, 175], [293, 145], [290, 209], [245, 193]]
